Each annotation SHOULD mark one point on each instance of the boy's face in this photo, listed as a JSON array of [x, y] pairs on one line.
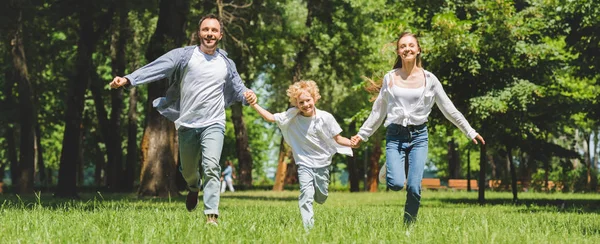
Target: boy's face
[[306, 104]]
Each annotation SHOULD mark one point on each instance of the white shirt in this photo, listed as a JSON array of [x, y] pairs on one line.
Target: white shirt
[[389, 107], [311, 138], [202, 99], [408, 96]]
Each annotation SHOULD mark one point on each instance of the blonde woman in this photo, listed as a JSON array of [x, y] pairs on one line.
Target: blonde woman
[[405, 99]]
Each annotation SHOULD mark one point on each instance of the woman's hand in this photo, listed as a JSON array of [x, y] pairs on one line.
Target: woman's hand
[[478, 137], [355, 141]]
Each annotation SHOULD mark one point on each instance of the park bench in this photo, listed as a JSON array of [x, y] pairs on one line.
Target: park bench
[[497, 185], [551, 186], [461, 184], [1, 187], [432, 183]]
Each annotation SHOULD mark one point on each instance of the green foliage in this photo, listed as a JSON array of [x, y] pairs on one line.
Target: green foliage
[[516, 97], [524, 73]]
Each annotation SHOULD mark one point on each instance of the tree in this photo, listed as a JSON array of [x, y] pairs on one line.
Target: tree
[[159, 147], [27, 113], [236, 18], [93, 21]]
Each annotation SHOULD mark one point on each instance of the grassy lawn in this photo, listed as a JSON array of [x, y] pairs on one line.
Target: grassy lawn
[[273, 217]]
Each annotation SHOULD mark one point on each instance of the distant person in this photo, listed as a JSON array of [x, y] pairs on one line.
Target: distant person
[[405, 100], [227, 177], [203, 82], [314, 136]]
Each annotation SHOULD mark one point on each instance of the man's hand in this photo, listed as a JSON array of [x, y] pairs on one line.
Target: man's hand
[[119, 82], [250, 97]]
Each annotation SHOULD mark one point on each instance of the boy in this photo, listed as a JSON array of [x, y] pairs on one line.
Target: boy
[[314, 137]]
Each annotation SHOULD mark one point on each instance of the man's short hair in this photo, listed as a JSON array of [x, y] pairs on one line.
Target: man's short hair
[[211, 16]]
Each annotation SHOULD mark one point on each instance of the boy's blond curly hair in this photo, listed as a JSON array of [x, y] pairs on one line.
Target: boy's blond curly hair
[[305, 85]]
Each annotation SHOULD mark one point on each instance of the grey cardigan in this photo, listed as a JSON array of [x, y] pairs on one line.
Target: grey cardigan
[[171, 66]]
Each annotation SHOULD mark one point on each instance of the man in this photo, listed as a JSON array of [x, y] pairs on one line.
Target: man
[[203, 82]]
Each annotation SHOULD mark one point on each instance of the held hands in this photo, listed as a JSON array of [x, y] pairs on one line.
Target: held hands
[[478, 137], [250, 97], [355, 141], [118, 82]]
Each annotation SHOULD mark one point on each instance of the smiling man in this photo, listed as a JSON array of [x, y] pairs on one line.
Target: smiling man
[[203, 82]]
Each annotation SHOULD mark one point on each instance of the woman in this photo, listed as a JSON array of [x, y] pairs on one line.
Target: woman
[[405, 99]]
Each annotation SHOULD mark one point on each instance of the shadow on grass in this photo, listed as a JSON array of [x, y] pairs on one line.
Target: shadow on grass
[[93, 202], [89, 202], [260, 198], [548, 205]]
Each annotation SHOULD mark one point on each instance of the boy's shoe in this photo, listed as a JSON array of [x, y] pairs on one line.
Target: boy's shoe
[[211, 219], [191, 201]]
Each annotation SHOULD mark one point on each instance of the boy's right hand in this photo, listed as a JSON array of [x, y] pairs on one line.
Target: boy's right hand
[[250, 97], [355, 141]]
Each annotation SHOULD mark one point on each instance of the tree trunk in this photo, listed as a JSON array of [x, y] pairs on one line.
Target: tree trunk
[[159, 148], [468, 168], [132, 148], [595, 160], [493, 169], [291, 175], [526, 171], [81, 166], [44, 176], [238, 55], [351, 165], [111, 126], [588, 159], [107, 135], [27, 117], [482, 163], [11, 149], [2, 166], [373, 171], [119, 40], [282, 164], [301, 60], [70, 158], [158, 159], [513, 173], [71, 149], [453, 160], [98, 168], [242, 146]]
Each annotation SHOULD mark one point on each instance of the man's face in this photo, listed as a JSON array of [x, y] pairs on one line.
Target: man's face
[[210, 33]]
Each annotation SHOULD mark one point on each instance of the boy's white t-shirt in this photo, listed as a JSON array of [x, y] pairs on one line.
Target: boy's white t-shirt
[[202, 100], [311, 138]]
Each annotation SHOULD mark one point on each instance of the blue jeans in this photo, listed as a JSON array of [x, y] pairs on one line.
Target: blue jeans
[[406, 148], [202, 143]]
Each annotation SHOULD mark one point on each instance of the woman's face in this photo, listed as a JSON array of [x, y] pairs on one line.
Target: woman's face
[[408, 48]]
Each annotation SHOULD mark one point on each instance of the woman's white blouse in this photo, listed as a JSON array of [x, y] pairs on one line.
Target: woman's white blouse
[[389, 107]]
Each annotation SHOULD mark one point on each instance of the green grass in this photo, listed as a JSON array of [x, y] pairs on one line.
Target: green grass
[[273, 217]]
